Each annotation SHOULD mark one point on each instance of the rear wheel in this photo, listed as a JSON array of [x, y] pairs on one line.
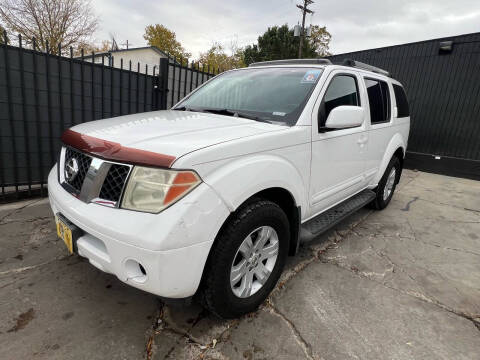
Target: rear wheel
[[388, 183], [246, 260]]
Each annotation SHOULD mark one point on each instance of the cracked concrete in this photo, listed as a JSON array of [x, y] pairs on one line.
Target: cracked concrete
[[401, 283], [59, 306]]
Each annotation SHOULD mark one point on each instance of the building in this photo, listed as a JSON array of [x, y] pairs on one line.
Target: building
[[147, 55], [442, 81]]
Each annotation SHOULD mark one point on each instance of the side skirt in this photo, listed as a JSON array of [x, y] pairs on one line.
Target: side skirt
[[321, 223]]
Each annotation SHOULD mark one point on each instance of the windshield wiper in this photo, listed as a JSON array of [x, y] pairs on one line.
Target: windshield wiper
[[235, 113], [185, 108], [227, 112], [181, 108]]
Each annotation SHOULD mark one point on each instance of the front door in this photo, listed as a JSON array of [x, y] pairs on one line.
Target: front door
[[338, 155]]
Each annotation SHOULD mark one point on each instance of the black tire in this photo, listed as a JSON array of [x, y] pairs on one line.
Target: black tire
[[380, 202], [216, 292]]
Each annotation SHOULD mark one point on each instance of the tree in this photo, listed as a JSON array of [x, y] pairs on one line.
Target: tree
[[278, 42], [66, 22], [2, 36], [251, 54], [88, 48], [166, 40], [217, 58], [320, 40]]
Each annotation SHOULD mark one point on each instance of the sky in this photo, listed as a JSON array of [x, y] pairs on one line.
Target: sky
[[354, 25]]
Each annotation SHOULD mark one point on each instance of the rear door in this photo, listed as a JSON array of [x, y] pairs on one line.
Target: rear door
[[338, 156]]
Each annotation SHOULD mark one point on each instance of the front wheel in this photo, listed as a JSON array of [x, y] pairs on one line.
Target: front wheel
[[246, 260], [388, 183]]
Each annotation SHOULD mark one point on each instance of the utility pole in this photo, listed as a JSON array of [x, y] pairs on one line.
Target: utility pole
[[125, 44], [305, 10]]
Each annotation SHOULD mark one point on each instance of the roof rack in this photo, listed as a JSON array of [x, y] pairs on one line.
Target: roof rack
[[360, 65], [318, 61]]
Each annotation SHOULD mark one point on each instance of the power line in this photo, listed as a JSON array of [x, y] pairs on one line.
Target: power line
[[304, 8]]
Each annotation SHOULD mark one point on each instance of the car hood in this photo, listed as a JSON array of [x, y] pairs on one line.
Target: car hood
[[173, 133]]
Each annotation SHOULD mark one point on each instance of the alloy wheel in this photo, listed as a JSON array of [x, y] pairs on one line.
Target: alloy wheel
[[389, 184], [254, 261]]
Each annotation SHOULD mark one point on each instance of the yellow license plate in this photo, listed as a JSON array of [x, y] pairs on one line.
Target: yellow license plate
[[64, 233]]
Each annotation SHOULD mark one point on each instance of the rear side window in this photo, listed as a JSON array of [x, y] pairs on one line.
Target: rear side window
[[402, 102], [379, 100], [342, 90]]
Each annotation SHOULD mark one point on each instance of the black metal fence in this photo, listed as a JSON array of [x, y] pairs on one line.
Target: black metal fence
[[184, 77], [42, 94]]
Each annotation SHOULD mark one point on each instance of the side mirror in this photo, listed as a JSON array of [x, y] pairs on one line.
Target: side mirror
[[345, 116]]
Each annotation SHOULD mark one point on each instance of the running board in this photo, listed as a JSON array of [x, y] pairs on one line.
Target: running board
[[321, 223]]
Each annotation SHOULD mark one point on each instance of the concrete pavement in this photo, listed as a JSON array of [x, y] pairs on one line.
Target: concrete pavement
[[403, 283]]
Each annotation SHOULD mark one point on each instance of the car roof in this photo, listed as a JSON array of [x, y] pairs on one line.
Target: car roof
[[330, 66]]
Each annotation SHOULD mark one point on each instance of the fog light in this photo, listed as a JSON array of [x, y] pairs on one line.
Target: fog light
[[135, 271]]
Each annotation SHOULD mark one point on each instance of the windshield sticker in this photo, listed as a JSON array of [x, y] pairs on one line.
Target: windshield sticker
[[278, 113], [311, 76]]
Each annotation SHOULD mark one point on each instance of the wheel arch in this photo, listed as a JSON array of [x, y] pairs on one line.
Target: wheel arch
[[240, 181], [285, 200], [400, 154], [396, 147]]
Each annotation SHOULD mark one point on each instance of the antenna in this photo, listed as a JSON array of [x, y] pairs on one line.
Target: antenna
[[114, 44]]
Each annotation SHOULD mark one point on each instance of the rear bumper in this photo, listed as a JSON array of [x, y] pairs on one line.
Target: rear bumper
[[172, 246]]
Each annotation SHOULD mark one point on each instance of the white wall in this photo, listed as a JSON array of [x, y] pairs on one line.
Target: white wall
[[98, 59], [143, 56]]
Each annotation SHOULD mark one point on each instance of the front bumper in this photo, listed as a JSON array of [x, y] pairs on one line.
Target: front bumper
[[172, 246]]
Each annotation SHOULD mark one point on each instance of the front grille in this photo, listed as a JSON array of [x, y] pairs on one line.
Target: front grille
[[92, 181], [114, 181], [83, 162]]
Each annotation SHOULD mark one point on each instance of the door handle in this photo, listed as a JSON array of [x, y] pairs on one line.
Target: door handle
[[362, 141]]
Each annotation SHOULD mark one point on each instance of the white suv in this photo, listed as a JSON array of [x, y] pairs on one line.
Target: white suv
[[210, 197]]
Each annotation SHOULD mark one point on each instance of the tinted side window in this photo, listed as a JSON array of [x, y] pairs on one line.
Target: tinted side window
[[402, 102], [342, 90], [379, 100]]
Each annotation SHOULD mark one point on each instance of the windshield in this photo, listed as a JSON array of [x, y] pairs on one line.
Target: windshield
[[275, 95]]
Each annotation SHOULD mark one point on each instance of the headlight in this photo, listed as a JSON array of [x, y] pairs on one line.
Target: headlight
[[152, 190]]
